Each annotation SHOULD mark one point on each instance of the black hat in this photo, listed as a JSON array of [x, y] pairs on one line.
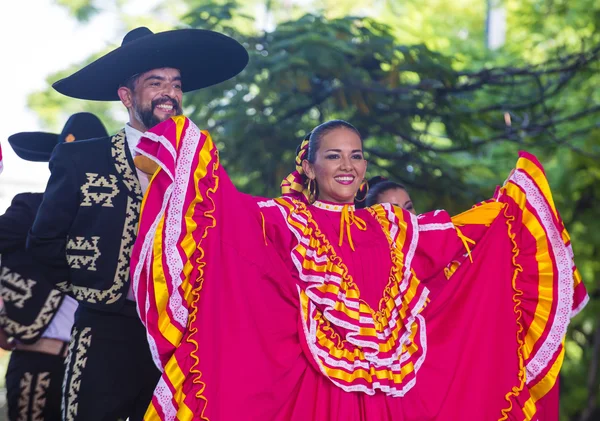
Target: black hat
[[203, 57], [38, 146]]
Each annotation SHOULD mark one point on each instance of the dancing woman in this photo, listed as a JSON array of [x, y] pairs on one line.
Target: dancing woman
[[305, 308]]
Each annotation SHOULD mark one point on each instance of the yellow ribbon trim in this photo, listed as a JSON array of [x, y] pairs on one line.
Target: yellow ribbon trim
[[544, 386], [196, 287], [479, 215], [348, 219], [151, 413], [517, 389], [466, 241], [330, 340], [546, 273], [449, 271], [264, 230], [483, 214]]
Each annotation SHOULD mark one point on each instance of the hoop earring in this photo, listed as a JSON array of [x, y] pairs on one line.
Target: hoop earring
[[363, 190], [312, 190]]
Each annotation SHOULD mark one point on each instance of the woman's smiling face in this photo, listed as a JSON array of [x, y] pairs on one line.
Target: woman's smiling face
[[339, 166]]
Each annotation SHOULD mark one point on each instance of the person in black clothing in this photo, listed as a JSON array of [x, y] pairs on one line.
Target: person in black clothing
[[37, 318], [88, 219]]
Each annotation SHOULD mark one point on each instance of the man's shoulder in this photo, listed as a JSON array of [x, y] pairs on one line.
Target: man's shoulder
[[86, 144], [82, 149], [27, 199]]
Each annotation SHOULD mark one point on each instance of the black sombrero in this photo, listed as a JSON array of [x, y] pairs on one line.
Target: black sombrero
[[38, 146], [203, 57]]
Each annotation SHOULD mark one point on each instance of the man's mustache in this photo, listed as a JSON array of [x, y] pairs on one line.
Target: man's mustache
[[166, 100]]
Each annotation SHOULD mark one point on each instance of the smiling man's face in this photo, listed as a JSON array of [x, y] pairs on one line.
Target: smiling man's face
[[156, 96]]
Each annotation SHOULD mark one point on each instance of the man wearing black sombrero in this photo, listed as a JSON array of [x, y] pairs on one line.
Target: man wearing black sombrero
[[37, 318], [87, 222]]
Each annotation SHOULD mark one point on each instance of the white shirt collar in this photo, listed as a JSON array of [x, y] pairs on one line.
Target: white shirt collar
[[133, 137]]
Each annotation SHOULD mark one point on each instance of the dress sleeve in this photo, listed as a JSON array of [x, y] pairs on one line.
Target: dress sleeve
[[190, 214], [548, 287], [529, 201], [443, 243], [210, 286], [545, 285], [509, 300]]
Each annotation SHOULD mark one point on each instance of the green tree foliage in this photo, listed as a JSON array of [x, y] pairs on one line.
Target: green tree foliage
[[82, 10], [438, 110]]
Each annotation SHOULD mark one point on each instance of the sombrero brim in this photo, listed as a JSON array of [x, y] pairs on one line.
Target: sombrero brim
[[203, 57], [33, 146]]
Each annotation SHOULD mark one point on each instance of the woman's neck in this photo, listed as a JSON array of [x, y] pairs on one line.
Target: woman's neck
[[333, 206]]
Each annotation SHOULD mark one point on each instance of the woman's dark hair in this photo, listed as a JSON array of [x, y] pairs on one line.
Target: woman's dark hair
[[320, 131], [377, 186]]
